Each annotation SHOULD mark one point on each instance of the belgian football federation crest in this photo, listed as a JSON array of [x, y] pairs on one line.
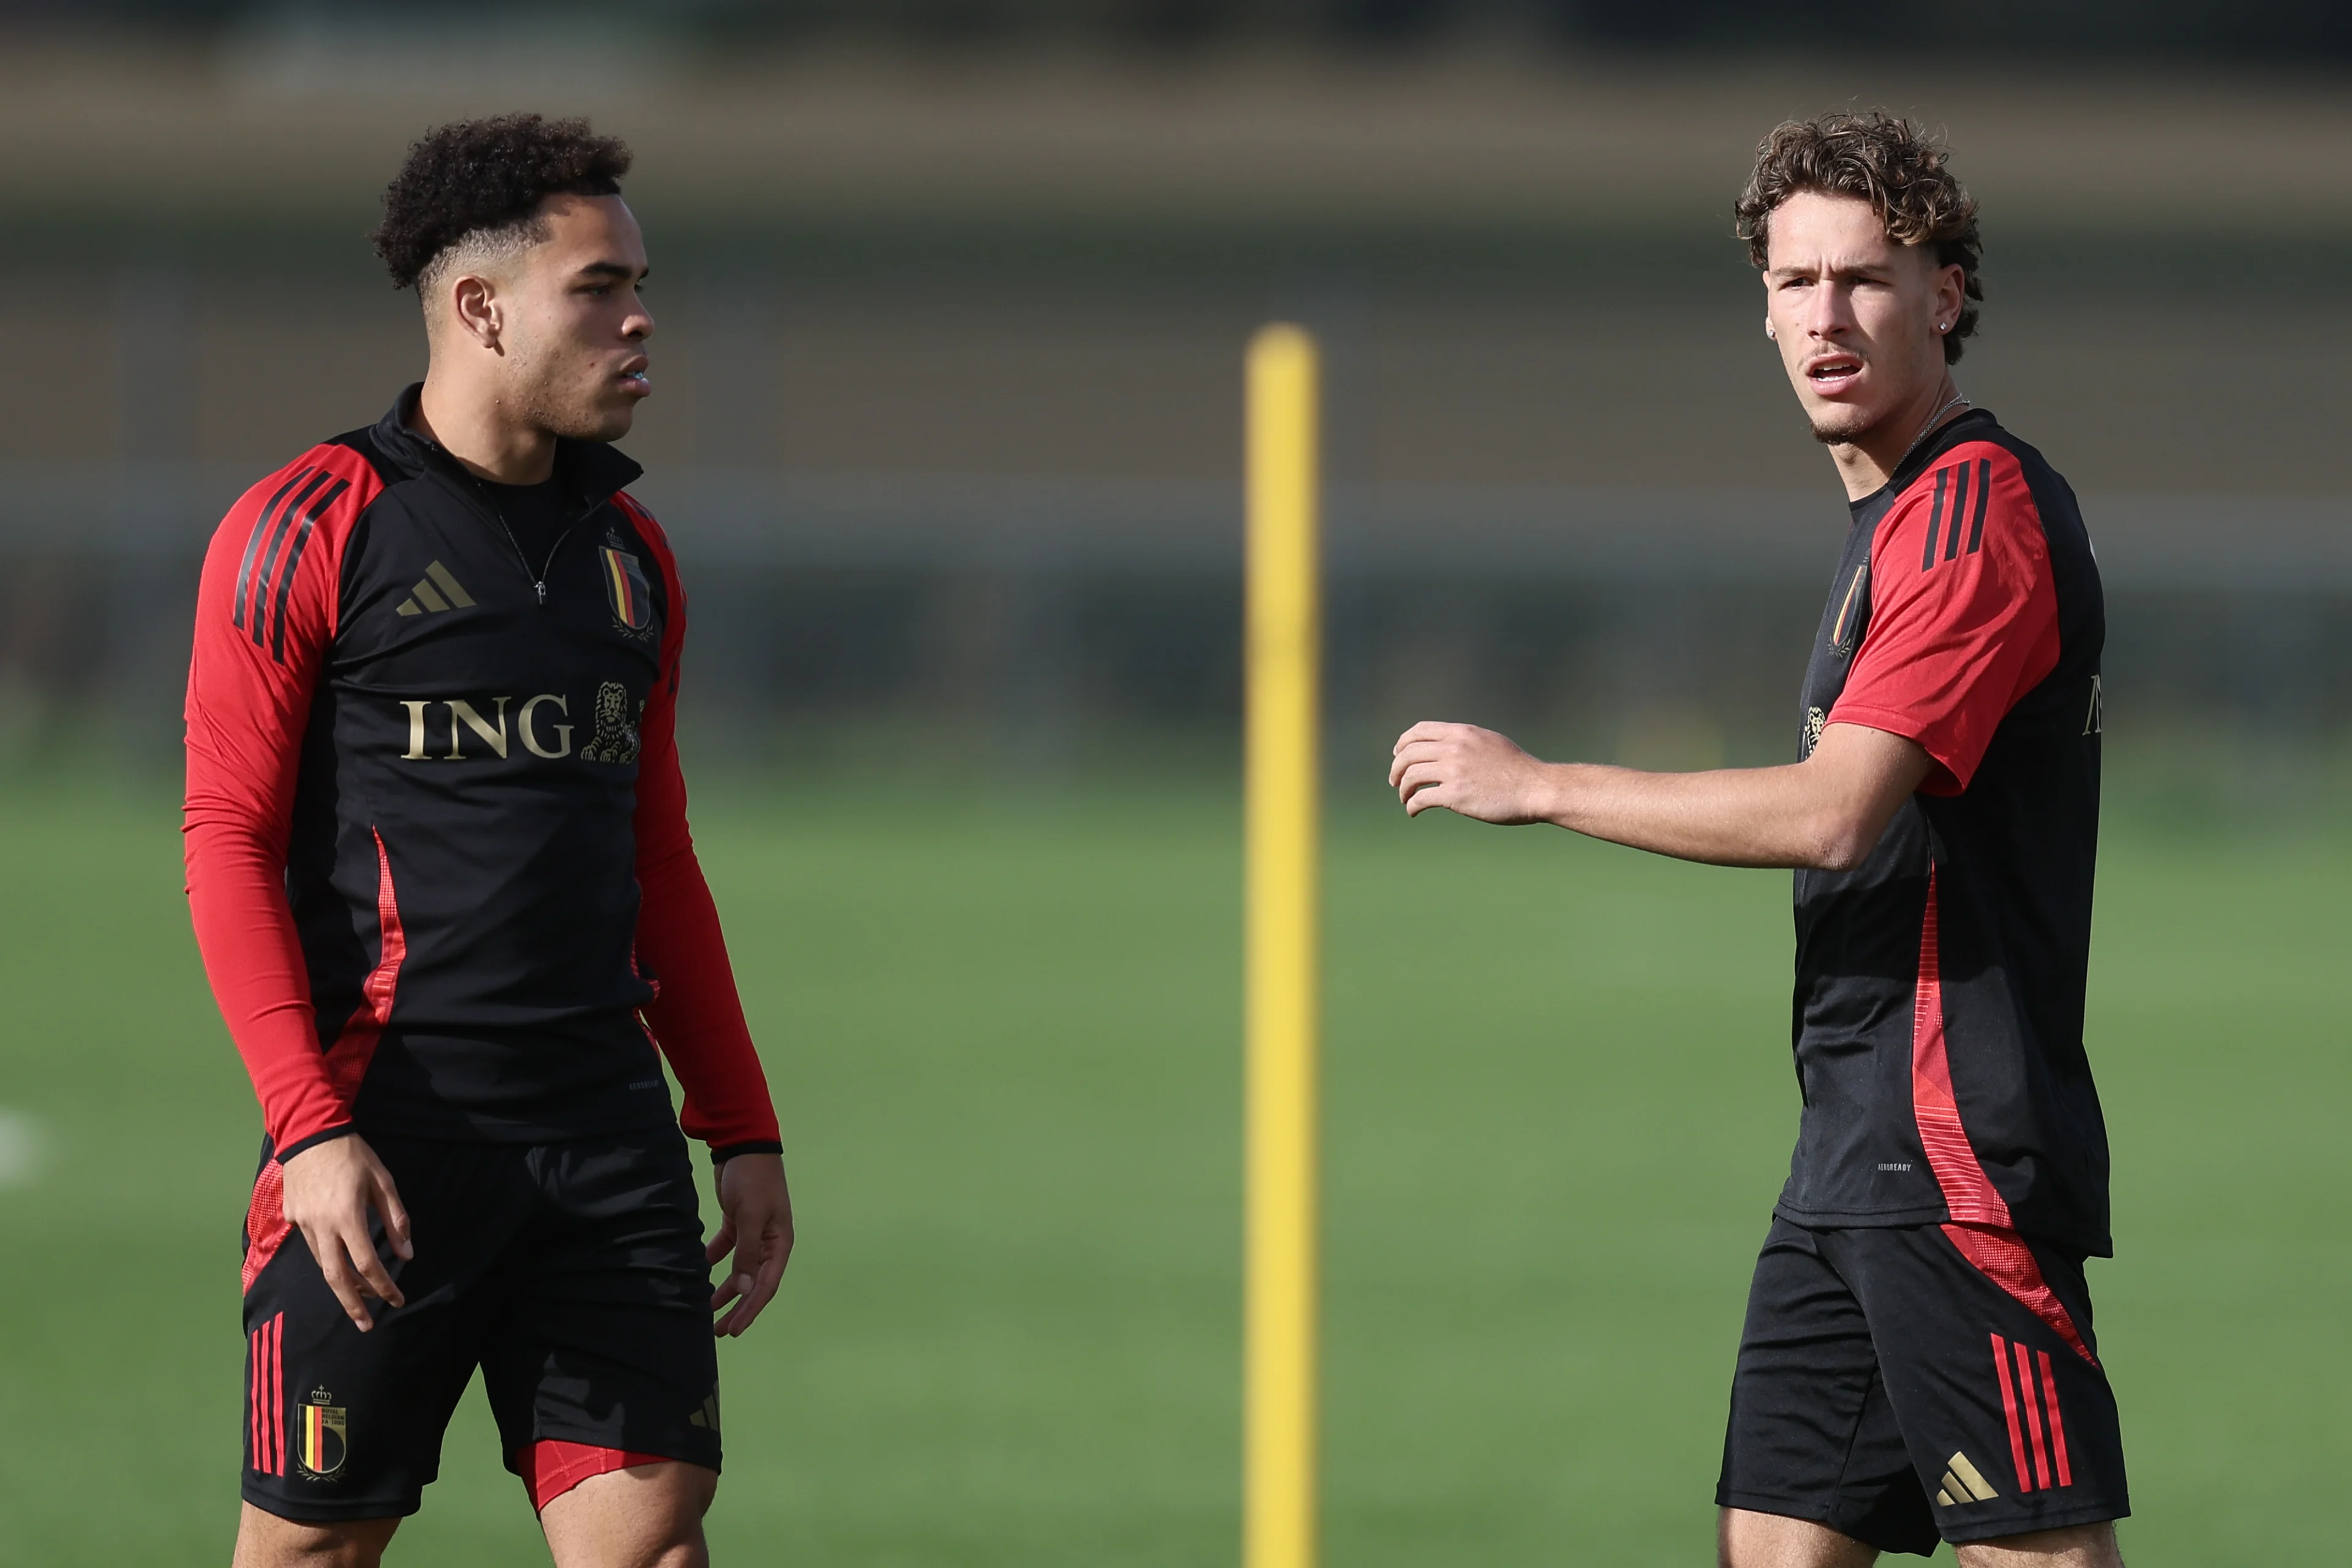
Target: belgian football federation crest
[[631, 595], [320, 1447]]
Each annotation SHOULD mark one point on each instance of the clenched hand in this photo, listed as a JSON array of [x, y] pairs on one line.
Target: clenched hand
[[1473, 772]]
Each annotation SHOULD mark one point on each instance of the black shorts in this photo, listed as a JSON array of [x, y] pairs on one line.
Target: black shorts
[[571, 1274], [1910, 1383]]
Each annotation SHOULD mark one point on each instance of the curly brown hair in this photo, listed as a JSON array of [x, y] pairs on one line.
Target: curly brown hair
[[1895, 166], [473, 176]]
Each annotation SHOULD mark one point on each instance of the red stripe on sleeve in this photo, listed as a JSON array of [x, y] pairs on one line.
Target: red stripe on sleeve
[[1957, 636], [266, 616]]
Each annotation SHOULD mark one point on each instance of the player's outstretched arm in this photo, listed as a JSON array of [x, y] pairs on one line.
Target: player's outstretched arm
[[1824, 813]]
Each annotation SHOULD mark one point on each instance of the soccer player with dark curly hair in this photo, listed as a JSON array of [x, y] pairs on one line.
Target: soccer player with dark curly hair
[[440, 874], [1918, 1362]]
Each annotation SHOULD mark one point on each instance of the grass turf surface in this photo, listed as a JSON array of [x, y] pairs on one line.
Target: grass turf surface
[[1005, 1044]]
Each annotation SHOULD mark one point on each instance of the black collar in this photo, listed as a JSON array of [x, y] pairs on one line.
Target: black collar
[[1970, 425], [593, 470]]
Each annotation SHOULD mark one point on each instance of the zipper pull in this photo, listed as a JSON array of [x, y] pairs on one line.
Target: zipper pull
[[543, 592]]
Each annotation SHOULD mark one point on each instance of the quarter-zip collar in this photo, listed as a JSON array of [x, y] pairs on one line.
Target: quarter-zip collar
[[592, 470]]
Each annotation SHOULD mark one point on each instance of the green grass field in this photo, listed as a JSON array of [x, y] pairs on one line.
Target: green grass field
[[1004, 1042]]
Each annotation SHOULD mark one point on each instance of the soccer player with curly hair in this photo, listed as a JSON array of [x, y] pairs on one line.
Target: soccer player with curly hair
[[1918, 1362], [440, 874]]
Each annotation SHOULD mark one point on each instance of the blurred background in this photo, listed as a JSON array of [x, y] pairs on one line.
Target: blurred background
[[951, 296]]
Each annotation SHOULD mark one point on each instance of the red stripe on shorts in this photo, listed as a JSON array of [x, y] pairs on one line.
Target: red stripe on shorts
[[2009, 1408], [2057, 1423], [2032, 1413]]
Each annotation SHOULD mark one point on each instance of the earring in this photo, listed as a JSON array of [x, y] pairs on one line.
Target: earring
[[1769, 330], [1943, 326]]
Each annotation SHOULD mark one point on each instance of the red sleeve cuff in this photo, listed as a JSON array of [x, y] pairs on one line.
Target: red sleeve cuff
[[1954, 765]]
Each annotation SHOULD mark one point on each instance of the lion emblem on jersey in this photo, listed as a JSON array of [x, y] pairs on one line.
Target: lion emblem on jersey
[[616, 726]]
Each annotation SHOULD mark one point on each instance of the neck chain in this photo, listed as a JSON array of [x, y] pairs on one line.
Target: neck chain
[[1958, 400]]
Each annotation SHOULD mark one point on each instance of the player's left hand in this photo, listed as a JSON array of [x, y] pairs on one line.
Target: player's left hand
[[755, 1209], [1476, 772]]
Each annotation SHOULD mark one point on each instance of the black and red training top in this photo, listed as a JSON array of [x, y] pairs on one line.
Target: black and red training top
[[1939, 996], [437, 839]]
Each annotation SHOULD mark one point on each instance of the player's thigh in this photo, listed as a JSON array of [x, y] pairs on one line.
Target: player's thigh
[[1993, 1369], [265, 1541], [1811, 1435], [343, 1424], [604, 1340], [647, 1516]]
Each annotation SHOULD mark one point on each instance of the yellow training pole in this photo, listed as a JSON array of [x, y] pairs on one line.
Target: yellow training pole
[[1284, 636]]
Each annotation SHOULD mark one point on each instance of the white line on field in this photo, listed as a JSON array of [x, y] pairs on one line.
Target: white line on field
[[20, 1149]]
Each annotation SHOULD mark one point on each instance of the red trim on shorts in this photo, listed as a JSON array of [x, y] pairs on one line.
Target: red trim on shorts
[[2009, 1408], [253, 1399], [2057, 1424], [2032, 1415], [549, 1468], [278, 1395], [265, 1388], [2002, 1257]]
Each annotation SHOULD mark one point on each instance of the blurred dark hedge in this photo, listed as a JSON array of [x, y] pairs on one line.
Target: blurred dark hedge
[[2074, 29]]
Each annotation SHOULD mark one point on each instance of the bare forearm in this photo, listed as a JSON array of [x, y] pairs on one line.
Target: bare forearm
[[1825, 812], [1731, 816]]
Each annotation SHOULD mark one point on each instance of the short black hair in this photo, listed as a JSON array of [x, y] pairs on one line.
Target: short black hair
[[473, 176]]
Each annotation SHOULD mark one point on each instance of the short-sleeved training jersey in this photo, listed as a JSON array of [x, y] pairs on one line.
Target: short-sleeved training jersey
[[1938, 1008], [437, 836]]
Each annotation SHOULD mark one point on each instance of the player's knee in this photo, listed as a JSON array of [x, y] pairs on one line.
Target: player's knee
[[265, 1541], [685, 1554], [2078, 1546]]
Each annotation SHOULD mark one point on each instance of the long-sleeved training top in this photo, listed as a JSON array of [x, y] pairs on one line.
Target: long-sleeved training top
[[436, 841]]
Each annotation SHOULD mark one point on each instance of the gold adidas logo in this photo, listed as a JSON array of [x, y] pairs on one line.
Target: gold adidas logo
[[708, 1415], [1963, 1482], [434, 592]]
